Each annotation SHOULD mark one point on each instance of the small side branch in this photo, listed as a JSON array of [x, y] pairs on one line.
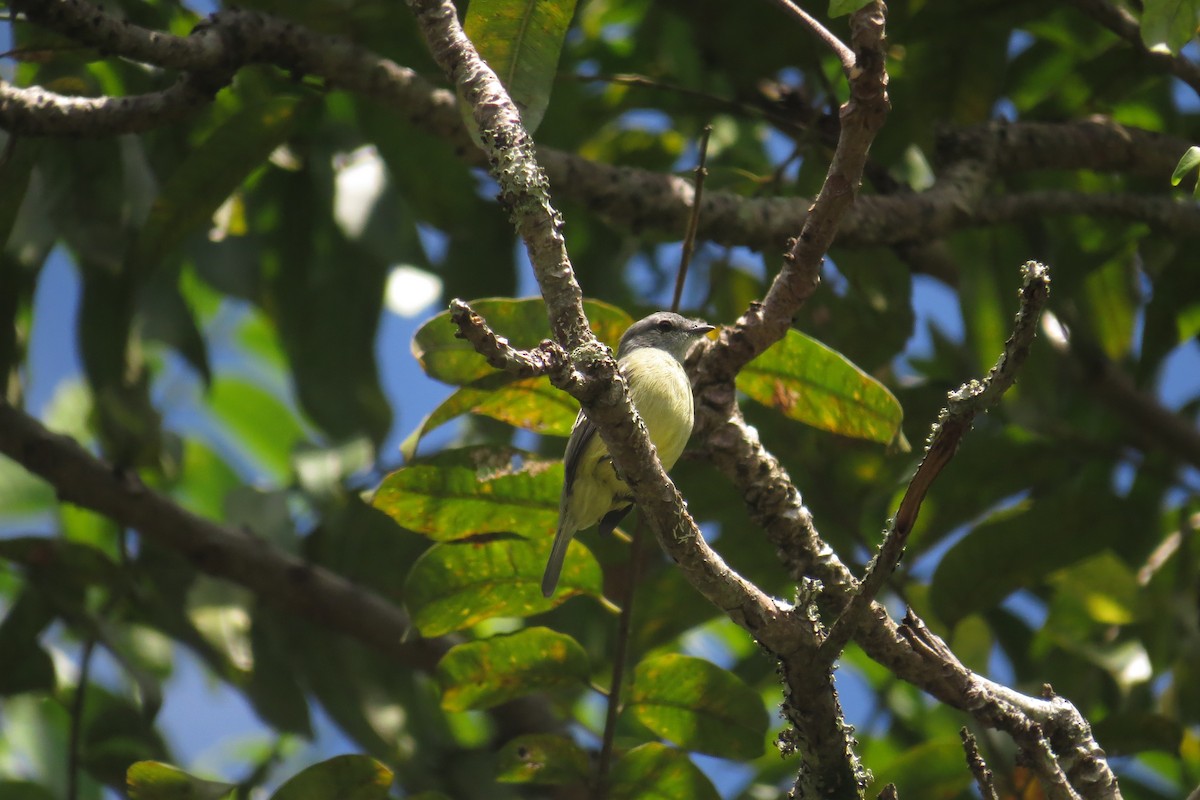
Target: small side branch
[[978, 767], [545, 359], [839, 48], [955, 420]]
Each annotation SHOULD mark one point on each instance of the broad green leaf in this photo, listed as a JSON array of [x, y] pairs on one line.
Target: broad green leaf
[[455, 585], [654, 771], [153, 780], [813, 384], [461, 493], [1019, 546], [211, 172], [542, 758], [523, 322], [489, 672], [521, 41], [258, 423], [530, 403], [699, 706], [1168, 25], [348, 777]]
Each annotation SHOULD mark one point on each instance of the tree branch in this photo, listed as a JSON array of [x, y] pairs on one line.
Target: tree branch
[[279, 579], [953, 423], [629, 198], [1123, 24], [844, 53]]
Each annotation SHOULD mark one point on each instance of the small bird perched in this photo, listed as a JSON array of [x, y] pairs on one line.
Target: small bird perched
[[650, 357]]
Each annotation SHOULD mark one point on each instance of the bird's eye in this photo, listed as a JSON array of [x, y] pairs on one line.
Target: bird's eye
[[665, 325]]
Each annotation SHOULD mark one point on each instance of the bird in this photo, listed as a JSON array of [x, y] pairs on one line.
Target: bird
[[650, 356]]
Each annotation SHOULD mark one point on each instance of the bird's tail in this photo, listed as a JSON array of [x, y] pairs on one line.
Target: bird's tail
[[562, 539]]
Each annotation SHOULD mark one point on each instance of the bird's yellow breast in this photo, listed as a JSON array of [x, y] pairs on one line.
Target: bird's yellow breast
[[662, 394]]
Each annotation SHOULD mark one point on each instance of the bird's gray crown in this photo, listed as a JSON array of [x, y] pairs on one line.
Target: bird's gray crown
[[665, 330]]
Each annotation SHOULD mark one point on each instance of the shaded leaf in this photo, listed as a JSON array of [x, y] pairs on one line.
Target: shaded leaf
[[813, 384], [492, 671], [153, 780], [530, 403], [348, 777], [654, 771], [211, 171], [541, 758], [699, 706], [1018, 547], [455, 585], [523, 322]]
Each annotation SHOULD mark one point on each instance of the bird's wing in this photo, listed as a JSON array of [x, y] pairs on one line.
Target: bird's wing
[[582, 432]]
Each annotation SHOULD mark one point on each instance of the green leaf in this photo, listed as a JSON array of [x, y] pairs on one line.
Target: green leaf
[[654, 771], [453, 586], [1020, 546], [521, 41], [259, 424], [838, 8], [21, 493], [813, 384], [1188, 162], [153, 780], [932, 768], [1168, 25], [14, 176], [27, 666], [211, 171], [348, 777], [25, 790], [1110, 295], [530, 403], [1127, 732], [486, 673], [699, 706], [523, 322], [460, 493], [542, 758]]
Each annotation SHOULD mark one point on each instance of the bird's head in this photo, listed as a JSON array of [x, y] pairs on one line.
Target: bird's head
[[664, 330]]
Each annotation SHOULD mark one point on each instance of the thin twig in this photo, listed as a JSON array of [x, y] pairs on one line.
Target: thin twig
[[953, 424], [620, 655], [77, 703], [689, 240], [839, 48], [978, 767]]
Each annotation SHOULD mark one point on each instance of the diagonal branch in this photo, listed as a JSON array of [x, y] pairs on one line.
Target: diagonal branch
[[284, 581], [952, 425]]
